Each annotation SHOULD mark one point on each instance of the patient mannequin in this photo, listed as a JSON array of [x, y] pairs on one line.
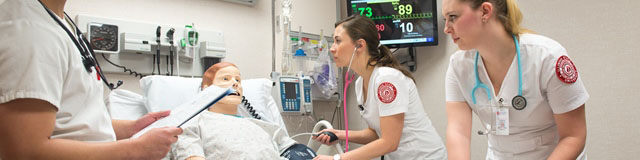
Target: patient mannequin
[[225, 75], [221, 133]]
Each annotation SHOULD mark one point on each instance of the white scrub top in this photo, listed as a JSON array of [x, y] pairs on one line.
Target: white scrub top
[[38, 60], [533, 132], [389, 93]]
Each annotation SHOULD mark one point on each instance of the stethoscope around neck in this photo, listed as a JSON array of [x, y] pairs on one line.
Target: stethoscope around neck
[[518, 101], [86, 51]]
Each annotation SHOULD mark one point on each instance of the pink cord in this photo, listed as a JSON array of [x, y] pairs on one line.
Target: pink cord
[[344, 102]]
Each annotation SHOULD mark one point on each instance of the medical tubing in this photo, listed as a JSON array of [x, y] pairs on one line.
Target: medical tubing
[[479, 84], [346, 120], [131, 72], [344, 100], [301, 134], [250, 109], [85, 49], [92, 56], [473, 91], [97, 65], [104, 78], [334, 113], [519, 66]]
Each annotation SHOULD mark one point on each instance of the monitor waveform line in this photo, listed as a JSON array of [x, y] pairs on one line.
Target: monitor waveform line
[[404, 17]]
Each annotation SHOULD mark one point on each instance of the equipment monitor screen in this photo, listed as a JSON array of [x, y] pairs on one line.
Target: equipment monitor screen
[[400, 23], [290, 90]]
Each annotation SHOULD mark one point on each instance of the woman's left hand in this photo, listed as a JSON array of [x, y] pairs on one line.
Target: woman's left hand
[[323, 157]]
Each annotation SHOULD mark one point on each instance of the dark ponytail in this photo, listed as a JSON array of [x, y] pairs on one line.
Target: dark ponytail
[[385, 58], [360, 27]]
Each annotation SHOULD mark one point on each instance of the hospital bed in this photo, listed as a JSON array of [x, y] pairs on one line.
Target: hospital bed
[[165, 92]]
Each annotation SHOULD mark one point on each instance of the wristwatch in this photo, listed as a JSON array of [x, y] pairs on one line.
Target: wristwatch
[[336, 157]]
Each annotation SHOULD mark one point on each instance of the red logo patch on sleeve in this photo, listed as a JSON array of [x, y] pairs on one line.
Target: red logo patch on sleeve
[[565, 70], [387, 92]]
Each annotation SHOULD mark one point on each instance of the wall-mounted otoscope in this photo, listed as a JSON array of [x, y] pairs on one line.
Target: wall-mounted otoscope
[[158, 48], [170, 56]]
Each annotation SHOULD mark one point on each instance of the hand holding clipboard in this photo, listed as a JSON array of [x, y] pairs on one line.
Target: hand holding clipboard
[[185, 112]]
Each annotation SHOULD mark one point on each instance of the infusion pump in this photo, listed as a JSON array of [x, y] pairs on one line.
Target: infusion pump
[[293, 94]]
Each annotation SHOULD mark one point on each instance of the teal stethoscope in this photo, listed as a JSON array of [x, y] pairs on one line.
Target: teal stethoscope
[[518, 102]]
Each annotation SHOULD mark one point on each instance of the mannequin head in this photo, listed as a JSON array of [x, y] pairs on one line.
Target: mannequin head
[[225, 75]]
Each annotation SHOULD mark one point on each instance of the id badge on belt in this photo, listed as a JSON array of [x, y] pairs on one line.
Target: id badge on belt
[[502, 119]]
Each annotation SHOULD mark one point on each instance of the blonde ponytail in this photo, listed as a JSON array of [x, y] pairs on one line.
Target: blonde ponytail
[[513, 19], [507, 12]]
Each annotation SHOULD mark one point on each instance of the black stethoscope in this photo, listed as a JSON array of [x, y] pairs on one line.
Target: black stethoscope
[[85, 50]]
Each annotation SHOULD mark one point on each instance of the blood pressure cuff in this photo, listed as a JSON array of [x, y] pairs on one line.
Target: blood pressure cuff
[[298, 152]]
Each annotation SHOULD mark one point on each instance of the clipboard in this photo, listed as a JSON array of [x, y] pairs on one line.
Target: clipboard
[[185, 112]]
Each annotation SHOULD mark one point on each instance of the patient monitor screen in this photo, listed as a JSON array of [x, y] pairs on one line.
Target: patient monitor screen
[[290, 90], [400, 23]]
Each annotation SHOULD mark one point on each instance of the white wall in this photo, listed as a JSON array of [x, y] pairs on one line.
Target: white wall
[[247, 30], [600, 36]]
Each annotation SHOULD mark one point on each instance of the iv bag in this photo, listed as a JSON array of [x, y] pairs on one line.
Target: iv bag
[[325, 72]]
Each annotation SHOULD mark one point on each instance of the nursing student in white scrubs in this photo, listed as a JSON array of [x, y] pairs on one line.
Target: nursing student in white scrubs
[[388, 100], [523, 87], [51, 107]]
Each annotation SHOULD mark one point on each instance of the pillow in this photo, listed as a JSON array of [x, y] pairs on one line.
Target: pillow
[[258, 93], [125, 105], [167, 92]]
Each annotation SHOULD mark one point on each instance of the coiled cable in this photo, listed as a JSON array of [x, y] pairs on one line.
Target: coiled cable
[[250, 109], [131, 72]]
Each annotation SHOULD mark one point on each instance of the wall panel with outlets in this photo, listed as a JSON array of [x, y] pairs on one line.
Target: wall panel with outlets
[[137, 44]]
